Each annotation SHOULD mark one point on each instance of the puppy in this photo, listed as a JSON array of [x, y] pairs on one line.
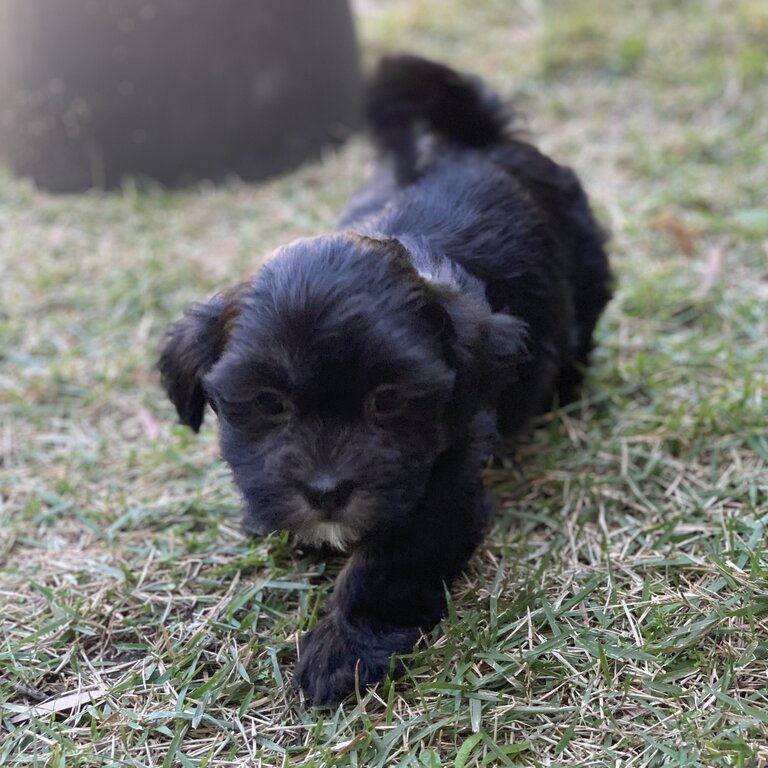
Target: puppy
[[361, 378]]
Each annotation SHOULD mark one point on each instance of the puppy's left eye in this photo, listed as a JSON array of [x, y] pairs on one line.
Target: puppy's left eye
[[385, 402]]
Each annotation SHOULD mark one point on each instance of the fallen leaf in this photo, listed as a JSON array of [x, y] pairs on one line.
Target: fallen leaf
[[683, 236], [64, 704], [714, 269], [148, 423]]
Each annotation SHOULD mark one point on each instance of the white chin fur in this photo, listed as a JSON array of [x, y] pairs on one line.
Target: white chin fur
[[336, 535]]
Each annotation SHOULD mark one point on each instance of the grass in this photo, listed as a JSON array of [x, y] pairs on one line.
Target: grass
[[617, 613]]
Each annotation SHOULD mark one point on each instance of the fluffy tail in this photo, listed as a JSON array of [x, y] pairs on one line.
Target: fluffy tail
[[409, 95]]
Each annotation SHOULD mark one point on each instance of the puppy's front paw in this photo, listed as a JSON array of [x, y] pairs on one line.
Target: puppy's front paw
[[334, 651]]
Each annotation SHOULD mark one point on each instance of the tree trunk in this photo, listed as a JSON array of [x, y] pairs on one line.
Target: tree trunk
[[175, 91]]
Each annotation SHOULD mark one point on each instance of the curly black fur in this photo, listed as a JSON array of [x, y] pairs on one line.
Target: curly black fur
[[361, 378]]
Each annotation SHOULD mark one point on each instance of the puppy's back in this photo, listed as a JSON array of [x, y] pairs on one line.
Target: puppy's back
[[459, 179]]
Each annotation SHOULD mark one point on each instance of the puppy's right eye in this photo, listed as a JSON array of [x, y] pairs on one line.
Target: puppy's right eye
[[270, 402], [266, 403]]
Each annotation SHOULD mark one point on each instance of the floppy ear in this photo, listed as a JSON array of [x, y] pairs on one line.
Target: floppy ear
[[192, 347], [485, 347]]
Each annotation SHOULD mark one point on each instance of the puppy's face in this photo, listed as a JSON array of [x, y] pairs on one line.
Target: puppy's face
[[335, 376]]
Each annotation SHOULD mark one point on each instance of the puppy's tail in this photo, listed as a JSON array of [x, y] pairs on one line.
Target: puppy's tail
[[409, 95]]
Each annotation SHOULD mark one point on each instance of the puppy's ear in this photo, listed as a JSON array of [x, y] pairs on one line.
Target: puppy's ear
[[484, 347], [192, 347]]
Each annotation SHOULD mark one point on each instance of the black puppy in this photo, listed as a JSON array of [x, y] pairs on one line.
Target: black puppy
[[361, 378]]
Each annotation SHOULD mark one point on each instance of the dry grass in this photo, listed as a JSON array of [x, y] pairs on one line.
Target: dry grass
[[618, 612]]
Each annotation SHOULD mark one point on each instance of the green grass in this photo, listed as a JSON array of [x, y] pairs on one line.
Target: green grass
[[617, 614]]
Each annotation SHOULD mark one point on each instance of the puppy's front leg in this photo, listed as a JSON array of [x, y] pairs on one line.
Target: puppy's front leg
[[389, 592]]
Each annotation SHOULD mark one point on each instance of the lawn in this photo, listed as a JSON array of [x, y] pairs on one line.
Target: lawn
[[617, 614]]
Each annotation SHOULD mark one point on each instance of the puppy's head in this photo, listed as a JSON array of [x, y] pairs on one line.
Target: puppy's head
[[339, 374]]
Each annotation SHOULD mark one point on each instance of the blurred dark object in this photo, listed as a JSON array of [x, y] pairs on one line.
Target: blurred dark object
[[174, 91]]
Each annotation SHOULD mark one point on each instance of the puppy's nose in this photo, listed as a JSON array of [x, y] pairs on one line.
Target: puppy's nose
[[326, 493]]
